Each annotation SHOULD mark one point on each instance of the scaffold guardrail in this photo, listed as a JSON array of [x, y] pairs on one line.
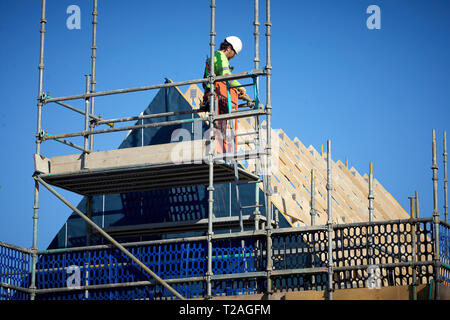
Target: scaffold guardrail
[[299, 259]]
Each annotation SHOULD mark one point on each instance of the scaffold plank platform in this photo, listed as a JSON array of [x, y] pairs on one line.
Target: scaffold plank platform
[[137, 169]]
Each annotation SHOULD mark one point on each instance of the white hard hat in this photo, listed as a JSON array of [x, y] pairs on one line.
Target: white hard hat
[[235, 42]]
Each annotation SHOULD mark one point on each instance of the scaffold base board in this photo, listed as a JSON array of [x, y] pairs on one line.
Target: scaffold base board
[[136, 169]]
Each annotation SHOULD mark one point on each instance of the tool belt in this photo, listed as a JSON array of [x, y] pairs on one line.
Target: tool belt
[[222, 98]]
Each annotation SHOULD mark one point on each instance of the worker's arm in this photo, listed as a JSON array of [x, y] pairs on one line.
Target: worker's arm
[[222, 68]]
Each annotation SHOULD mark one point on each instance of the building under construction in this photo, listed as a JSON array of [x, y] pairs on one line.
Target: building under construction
[[174, 214]]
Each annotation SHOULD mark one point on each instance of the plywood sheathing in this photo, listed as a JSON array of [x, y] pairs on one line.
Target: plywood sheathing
[[194, 95]]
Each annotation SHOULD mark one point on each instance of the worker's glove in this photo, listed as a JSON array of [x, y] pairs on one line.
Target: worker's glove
[[241, 92], [243, 95]]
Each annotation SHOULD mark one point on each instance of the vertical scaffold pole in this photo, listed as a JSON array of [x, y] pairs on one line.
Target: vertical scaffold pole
[[93, 67], [41, 66], [445, 179], [256, 36], [267, 173], [413, 238], [437, 262], [329, 223], [257, 124], [41, 78], [371, 198], [86, 119], [88, 243], [212, 101], [34, 245], [312, 212], [417, 204], [88, 143]]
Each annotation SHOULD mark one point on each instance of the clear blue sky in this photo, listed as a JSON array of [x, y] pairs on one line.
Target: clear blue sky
[[376, 94]]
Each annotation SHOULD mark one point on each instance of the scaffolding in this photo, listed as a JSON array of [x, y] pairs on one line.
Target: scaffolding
[[125, 179], [263, 259]]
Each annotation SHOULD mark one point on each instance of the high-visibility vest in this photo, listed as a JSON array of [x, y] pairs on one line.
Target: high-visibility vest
[[221, 68]]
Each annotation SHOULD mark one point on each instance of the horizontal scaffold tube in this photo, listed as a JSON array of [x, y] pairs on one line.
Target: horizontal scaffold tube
[[68, 106], [380, 223], [244, 234], [12, 287], [141, 126], [233, 115], [158, 86], [385, 265], [115, 285], [446, 224], [222, 277], [240, 114], [148, 116], [13, 247], [73, 145]]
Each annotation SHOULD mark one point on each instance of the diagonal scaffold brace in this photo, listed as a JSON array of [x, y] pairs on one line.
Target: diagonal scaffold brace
[[109, 238]]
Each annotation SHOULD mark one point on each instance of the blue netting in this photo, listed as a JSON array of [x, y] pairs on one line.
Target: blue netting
[[237, 256], [52, 269], [110, 266], [169, 261], [234, 256], [15, 266], [176, 260], [11, 294], [444, 252]]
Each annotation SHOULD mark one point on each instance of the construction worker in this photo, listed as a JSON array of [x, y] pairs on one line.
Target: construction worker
[[229, 48]]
